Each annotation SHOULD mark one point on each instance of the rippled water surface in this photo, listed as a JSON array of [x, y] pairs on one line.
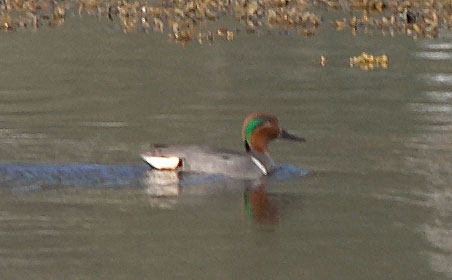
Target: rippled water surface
[[377, 203]]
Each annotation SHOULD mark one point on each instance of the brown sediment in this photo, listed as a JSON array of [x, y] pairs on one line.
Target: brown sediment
[[189, 20]]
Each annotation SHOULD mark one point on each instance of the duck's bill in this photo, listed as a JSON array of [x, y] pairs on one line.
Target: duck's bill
[[286, 135]]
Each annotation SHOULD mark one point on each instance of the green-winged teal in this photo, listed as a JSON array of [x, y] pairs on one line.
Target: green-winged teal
[[258, 130]]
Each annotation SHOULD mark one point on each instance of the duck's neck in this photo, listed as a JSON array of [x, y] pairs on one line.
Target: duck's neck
[[259, 144], [264, 159]]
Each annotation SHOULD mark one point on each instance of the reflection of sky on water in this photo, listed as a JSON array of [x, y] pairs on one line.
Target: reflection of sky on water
[[439, 96], [433, 159], [435, 55], [437, 46], [426, 108], [439, 78], [435, 51], [10, 136]]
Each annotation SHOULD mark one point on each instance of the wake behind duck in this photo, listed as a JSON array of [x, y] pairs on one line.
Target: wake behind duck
[[189, 165]]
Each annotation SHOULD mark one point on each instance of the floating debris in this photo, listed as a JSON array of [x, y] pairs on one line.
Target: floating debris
[[368, 61], [229, 35], [323, 60]]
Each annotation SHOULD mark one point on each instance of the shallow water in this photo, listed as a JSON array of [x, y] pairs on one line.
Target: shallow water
[[377, 203]]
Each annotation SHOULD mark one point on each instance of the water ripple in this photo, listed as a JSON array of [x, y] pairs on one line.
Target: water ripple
[[107, 124], [439, 96], [439, 78], [438, 46], [431, 108], [441, 55]]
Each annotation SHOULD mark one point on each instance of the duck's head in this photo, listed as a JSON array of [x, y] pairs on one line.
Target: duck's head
[[260, 128]]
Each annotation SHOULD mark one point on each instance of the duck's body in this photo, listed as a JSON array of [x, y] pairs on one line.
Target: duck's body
[[255, 162], [202, 159]]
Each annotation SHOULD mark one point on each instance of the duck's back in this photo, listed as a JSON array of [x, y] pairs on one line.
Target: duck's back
[[207, 160]]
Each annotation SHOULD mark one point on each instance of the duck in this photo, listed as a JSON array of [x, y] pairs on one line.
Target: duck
[[259, 128]]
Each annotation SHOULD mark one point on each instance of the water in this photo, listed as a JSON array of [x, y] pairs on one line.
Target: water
[[375, 205]]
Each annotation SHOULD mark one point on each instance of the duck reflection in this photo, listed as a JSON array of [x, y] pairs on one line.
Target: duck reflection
[[162, 183], [258, 204], [261, 206]]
